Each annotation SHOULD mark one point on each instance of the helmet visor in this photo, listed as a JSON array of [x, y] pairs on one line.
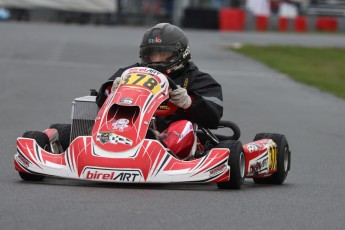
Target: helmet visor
[[157, 54]]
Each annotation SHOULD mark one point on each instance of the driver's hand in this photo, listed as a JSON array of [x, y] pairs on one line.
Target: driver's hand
[[116, 84], [180, 98]]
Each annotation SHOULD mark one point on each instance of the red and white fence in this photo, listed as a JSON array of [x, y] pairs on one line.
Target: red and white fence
[[232, 19]]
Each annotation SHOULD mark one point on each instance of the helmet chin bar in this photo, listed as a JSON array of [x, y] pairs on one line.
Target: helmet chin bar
[[157, 66], [168, 67], [175, 68]]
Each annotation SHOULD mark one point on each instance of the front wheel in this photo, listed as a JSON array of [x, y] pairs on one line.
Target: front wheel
[[43, 141], [64, 131], [283, 159], [236, 163]]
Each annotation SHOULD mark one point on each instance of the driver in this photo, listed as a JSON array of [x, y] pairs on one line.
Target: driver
[[165, 48]]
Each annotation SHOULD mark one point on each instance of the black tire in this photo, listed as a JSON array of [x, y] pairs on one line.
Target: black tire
[[43, 141], [283, 159], [30, 177], [237, 164], [64, 131]]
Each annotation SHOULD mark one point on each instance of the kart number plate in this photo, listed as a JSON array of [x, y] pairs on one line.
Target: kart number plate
[[142, 79]]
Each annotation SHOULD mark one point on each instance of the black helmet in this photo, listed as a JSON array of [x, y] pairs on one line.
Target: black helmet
[[165, 38]]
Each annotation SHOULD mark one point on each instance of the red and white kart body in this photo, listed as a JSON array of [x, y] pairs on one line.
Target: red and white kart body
[[117, 150]]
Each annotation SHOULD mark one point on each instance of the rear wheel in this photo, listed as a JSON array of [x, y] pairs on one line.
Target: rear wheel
[[43, 141], [237, 165], [283, 159], [64, 131]]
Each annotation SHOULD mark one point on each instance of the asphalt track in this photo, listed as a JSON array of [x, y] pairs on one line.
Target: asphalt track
[[43, 67]]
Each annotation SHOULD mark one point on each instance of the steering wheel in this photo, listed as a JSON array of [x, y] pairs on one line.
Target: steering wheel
[[172, 108]]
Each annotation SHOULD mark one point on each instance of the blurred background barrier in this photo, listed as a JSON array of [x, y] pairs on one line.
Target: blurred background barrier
[[94, 6], [232, 19], [225, 15], [200, 18]]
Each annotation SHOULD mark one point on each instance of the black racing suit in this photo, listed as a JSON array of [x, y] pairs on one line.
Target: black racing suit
[[207, 100]]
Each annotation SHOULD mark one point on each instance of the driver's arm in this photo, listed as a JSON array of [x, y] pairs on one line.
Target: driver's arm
[[207, 101]]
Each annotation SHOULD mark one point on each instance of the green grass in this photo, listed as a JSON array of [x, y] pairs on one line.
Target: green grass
[[323, 68]]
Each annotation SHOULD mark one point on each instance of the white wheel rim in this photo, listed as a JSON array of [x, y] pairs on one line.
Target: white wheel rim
[[242, 164], [286, 159]]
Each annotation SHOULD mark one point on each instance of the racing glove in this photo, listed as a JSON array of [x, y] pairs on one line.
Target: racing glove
[[180, 98], [116, 84]]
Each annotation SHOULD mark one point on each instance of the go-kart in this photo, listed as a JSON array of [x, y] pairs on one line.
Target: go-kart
[[119, 143]]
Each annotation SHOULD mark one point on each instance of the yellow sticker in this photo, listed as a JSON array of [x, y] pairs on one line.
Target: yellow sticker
[[142, 79], [272, 163], [163, 107]]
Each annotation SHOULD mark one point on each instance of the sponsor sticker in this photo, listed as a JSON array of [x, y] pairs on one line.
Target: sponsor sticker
[[186, 52], [163, 107], [258, 166], [126, 100], [121, 124], [23, 161], [155, 40], [118, 175], [218, 170], [144, 70], [113, 139], [255, 168], [253, 147], [273, 152]]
